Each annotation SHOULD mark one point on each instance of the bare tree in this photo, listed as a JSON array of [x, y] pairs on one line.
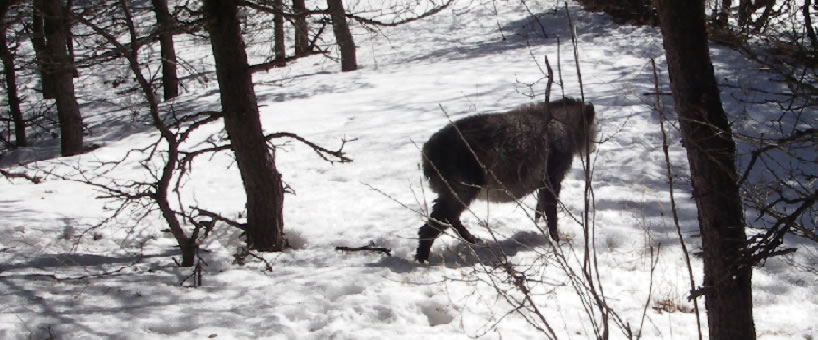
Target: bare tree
[[710, 147], [11, 76], [262, 182], [343, 37], [302, 28], [58, 64], [165, 25], [157, 191]]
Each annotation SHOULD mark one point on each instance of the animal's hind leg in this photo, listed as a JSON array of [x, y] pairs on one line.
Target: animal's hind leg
[[547, 204], [445, 212]]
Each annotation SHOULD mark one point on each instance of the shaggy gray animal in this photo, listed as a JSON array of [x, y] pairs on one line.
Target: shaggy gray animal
[[501, 158]]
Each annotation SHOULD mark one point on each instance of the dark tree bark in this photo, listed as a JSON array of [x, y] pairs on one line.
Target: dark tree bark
[[711, 153], [279, 49], [302, 29], [165, 23], [58, 63], [342, 35], [11, 78], [40, 50], [262, 182], [69, 37]]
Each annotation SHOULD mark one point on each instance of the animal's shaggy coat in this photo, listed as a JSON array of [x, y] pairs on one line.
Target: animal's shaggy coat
[[503, 157]]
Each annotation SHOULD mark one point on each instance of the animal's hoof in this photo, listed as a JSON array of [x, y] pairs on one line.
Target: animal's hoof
[[422, 256]]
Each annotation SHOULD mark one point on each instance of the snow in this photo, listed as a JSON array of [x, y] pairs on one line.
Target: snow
[[60, 278]]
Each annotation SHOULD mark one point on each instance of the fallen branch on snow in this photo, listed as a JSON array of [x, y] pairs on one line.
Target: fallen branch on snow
[[370, 247]]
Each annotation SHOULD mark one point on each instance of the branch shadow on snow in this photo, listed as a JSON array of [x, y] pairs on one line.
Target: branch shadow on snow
[[53, 294], [51, 308]]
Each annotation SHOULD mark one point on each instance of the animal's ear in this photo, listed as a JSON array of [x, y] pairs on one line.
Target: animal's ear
[[589, 112]]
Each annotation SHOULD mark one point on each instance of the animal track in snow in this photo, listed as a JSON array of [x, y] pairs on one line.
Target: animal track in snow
[[437, 314]]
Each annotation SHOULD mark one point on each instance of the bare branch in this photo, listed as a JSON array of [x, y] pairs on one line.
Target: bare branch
[[321, 151], [373, 22], [218, 217]]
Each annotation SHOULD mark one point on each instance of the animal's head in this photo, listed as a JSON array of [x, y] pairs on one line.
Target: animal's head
[[573, 126], [591, 128]]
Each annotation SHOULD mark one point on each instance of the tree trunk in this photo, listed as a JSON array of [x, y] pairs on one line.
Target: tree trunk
[[302, 29], [342, 35], [813, 38], [69, 37], [279, 49], [40, 50], [165, 23], [711, 154], [764, 18], [723, 17], [262, 182], [744, 13], [58, 63], [11, 79]]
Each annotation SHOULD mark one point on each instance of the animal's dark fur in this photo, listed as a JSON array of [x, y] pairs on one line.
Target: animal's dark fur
[[517, 152]]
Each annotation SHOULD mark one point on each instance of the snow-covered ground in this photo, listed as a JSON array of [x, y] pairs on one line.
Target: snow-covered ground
[[60, 280]]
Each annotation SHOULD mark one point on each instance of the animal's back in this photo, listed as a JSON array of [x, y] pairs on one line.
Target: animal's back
[[511, 146]]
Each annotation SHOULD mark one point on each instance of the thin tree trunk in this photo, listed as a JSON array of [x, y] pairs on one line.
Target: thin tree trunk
[[165, 23], [711, 153], [40, 50], [59, 64], [262, 182], [302, 29], [11, 79], [342, 35], [808, 24], [279, 49]]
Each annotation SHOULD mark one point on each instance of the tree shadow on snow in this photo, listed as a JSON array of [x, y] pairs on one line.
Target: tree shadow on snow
[[61, 306], [53, 261], [549, 28]]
